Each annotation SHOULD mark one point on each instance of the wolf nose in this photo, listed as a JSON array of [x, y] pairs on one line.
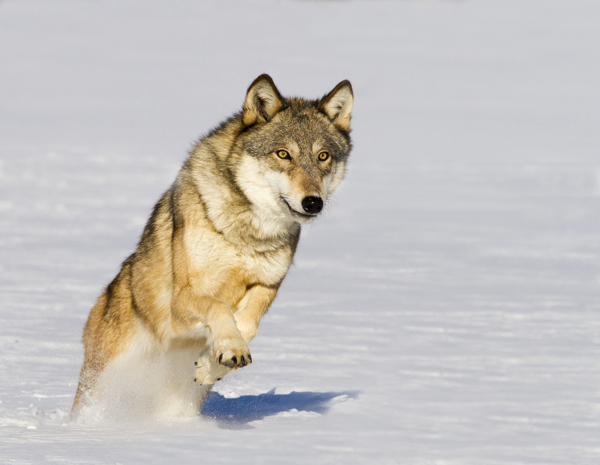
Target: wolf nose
[[312, 204]]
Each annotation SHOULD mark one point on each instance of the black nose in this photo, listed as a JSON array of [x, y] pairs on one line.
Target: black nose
[[312, 204]]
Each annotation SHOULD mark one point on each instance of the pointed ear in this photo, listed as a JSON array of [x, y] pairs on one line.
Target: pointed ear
[[263, 100], [337, 105]]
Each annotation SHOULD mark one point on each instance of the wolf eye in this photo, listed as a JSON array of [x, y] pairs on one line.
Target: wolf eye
[[323, 156], [283, 154]]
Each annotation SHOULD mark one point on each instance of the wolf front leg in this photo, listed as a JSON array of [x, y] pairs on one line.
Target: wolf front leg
[[228, 346], [251, 309], [225, 347], [228, 350], [209, 370]]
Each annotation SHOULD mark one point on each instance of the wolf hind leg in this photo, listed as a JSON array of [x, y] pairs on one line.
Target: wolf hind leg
[[84, 390]]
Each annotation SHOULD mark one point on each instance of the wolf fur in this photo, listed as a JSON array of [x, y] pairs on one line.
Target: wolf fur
[[182, 310]]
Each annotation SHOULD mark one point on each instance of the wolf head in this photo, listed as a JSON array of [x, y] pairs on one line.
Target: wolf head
[[292, 152]]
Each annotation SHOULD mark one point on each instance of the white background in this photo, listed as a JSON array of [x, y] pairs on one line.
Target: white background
[[445, 308]]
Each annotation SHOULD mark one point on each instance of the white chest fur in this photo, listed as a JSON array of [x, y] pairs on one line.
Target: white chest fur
[[212, 254], [267, 267]]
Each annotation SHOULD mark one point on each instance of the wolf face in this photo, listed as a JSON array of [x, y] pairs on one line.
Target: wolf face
[[292, 155]]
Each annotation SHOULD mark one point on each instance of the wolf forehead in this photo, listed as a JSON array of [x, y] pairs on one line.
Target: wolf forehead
[[299, 122]]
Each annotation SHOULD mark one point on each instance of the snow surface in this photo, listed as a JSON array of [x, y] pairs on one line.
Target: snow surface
[[445, 309]]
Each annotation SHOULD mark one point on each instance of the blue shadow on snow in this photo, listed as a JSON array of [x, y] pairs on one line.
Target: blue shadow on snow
[[237, 412]]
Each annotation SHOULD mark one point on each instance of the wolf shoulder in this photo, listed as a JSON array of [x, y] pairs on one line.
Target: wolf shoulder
[[181, 237]]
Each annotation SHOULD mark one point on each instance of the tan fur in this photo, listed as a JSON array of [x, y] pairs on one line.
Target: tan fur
[[213, 254]]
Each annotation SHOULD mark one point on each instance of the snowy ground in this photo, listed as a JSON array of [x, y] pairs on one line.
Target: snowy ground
[[444, 311]]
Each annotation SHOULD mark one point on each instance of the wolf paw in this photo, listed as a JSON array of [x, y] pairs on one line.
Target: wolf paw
[[208, 371], [236, 355], [235, 361]]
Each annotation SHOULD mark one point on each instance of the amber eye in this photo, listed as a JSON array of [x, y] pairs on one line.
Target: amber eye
[[323, 156], [283, 154]]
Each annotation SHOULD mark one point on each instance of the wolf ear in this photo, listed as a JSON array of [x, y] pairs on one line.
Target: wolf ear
[[337, 105], [263, 100]]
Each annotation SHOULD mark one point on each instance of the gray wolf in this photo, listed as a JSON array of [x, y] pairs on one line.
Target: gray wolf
[[180, 313]]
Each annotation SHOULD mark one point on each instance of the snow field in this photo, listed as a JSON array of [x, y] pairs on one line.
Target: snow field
[[445, 308]]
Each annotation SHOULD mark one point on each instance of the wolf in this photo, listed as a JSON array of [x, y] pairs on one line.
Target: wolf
[[180, 313]]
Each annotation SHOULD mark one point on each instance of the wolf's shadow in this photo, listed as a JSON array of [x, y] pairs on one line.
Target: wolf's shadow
[[236, 413]]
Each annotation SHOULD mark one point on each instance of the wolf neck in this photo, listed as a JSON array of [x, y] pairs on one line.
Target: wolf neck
[[227, 207]]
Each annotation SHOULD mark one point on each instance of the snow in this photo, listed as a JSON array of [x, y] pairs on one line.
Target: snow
[[443, 311]]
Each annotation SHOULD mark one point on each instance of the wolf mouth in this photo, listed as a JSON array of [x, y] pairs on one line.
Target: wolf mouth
[[302, 215]]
